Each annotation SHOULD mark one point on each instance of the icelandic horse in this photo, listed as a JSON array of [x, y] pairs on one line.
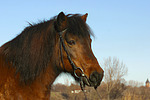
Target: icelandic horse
[[30, 63]]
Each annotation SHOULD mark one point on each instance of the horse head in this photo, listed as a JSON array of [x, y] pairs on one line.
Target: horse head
[[77, 56]]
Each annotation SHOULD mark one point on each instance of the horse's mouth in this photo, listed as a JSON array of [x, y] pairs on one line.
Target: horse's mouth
[[92, 81], [85, 81]]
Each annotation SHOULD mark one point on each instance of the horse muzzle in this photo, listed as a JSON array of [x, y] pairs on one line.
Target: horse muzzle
[[93, 81]]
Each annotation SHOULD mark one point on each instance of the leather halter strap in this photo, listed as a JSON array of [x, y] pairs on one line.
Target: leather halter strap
[[62, 44]]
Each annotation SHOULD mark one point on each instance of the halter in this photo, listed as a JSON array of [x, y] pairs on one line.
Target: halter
[[62, 44]]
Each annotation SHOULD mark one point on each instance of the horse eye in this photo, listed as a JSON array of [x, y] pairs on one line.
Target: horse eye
[[72, 42]]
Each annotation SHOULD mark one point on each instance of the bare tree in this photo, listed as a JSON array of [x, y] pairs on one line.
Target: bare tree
[[114, 73], [134, 83]]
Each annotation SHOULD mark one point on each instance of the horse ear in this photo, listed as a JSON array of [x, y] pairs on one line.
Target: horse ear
[[61, 22], [84, 17]]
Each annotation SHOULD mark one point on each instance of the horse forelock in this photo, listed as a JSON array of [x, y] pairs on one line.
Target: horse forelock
[[78, 26]]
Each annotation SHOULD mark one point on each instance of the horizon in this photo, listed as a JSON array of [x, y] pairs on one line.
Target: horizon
[[121, 28]]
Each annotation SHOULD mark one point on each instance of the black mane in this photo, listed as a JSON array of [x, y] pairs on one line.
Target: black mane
[[77, 26], [32, 50]]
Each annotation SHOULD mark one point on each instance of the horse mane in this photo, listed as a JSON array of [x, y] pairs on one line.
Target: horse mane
[[31, 51]]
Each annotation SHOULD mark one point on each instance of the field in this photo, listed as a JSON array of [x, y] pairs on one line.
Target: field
[[119, 92]]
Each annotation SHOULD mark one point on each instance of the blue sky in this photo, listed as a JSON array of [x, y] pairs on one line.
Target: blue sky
[[121, 27]]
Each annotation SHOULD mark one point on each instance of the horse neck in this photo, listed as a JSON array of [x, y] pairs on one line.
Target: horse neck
[[38, 88], [42, 84]]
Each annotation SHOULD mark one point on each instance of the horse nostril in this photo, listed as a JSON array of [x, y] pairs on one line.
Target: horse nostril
[[96, 78]]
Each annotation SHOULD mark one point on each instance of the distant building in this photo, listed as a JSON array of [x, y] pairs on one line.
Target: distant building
[[77, 91], [147, 83]]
